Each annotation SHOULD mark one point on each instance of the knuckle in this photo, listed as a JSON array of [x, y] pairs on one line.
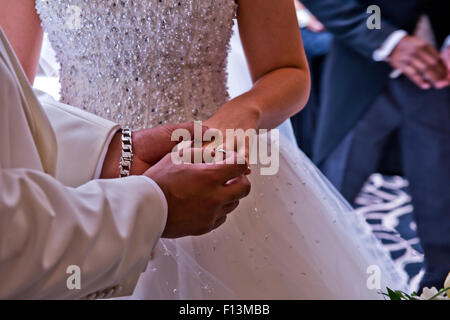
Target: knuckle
[[240, 167], [244, 166], [412, 72], [233, 207], [434, 63], [211, 175], [422, 68], [247, 187], [207, 228], [215, 178], [213, 225], [422, 45], [208, 224], [413, 55], [218, 224], [202, 230]]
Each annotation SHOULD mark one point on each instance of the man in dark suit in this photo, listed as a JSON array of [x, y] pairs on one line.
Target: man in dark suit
[[317, 44], [363, 109]]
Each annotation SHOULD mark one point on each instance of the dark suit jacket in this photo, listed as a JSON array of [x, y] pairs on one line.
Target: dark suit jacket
[[352, 79]]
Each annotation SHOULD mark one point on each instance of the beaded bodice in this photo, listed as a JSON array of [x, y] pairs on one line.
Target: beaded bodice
[[141, 62]]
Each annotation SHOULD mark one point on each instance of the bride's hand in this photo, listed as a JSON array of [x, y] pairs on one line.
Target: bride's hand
[[149, 147], [233, 116]]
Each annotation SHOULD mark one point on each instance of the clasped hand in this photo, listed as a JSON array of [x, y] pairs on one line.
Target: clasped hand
[[199, 196], [422, 63]]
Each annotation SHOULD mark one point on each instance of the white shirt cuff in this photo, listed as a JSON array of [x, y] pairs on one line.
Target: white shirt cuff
[[160, 193], [382, 53], [446, 42], [98, 169], [303, 17]]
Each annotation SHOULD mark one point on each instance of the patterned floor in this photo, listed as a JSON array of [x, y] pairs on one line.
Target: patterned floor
[[386, 205]]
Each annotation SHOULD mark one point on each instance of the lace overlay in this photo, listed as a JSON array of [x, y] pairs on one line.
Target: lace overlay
[[141, 63]]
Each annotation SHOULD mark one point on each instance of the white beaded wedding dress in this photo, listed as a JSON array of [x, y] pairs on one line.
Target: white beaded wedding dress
[[149, 62]]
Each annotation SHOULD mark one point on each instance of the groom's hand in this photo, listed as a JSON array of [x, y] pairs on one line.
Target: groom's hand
[[445, 55], [199, 196], [149, 147], [420, 62]]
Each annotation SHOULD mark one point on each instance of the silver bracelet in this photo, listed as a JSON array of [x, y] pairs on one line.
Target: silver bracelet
[[127, 153]]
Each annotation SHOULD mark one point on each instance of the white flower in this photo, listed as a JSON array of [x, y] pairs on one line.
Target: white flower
[[428, 293], [447, 284]]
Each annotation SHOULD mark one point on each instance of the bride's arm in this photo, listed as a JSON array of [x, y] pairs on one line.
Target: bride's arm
[[278, 66], [22, 27]]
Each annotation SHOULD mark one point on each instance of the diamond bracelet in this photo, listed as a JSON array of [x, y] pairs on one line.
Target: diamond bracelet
[[127, 153]]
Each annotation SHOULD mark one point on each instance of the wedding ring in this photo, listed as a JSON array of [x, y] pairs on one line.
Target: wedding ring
[[221, 150]]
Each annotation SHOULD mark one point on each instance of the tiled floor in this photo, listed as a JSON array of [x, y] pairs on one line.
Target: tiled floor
[[386, 205]]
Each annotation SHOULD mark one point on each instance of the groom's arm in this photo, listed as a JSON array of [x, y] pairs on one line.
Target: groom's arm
[[82, 138], [106, 228]]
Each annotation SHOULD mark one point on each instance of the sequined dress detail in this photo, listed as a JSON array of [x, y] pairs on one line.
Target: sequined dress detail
[[141, 63]]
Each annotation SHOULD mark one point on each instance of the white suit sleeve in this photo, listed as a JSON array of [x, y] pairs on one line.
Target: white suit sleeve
[[446, 42], [82, 140], [382, 53], [106, 228]]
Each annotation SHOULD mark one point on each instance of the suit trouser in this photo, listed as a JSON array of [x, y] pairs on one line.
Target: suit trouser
[[421, 120]]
